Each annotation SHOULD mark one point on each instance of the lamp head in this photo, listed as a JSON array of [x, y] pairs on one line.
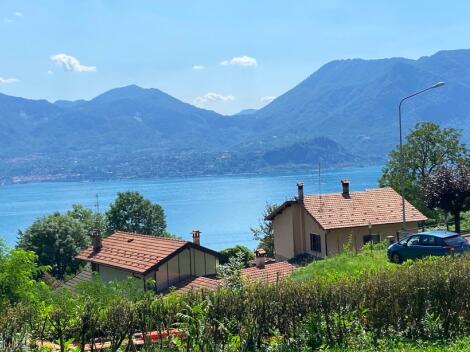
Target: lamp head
[[438, 84]]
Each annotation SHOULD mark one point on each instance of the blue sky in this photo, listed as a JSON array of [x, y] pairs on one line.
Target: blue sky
[[221, 55]]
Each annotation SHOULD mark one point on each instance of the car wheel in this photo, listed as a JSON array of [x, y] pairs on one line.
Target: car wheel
[[396, 258]]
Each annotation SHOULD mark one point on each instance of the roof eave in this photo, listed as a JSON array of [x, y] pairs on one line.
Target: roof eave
[[279, 210], [90, 260], [327, 227]]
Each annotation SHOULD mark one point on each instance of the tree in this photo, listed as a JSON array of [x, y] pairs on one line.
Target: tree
[[89, 219], [264, 231], [18, 273], [427, 148], [56, 239], [230, 273], [131, 212], [228, 253], [448, 188]]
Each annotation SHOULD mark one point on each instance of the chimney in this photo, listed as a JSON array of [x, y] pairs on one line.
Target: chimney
[[260, 255], [345, 184], [96, 241], [300, 191], [197, 237]]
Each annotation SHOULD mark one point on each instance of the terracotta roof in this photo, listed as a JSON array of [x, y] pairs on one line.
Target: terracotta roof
[[376, 206], [198, 283], [133, 252], [271, 273]]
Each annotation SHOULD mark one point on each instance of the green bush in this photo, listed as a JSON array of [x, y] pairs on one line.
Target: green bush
[[426, 301], [231, 252]]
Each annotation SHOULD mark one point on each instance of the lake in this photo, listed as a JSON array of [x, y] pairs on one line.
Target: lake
[[222, 207]]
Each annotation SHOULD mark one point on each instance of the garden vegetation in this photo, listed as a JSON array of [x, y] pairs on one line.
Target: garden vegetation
[[427, 302]]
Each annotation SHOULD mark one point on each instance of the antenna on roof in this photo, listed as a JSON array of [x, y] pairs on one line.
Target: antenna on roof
[[319, 184], [96, 235], [97, 203], [319, 179]]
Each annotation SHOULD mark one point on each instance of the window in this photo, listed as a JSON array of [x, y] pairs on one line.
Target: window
[[413, 241], [455, 241], [315, 242], [371, 238], [429, 241]]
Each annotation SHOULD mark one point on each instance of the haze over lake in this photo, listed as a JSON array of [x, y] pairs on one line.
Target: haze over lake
[[222, 207]]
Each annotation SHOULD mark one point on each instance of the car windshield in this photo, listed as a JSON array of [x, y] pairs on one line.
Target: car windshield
[[455, 241]]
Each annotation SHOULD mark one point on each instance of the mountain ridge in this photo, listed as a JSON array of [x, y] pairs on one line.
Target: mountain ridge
[[347, 108]]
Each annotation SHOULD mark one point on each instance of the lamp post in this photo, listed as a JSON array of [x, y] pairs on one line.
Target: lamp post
[[402, 181]]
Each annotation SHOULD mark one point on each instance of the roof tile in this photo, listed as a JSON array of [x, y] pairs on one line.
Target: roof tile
[[133, 252], [271, 273], [375, 206]]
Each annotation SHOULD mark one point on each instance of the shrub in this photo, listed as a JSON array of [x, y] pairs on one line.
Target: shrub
[[427, 300], [228, 253]]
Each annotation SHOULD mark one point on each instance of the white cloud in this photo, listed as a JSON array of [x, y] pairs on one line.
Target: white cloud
[[69, 63], [50, 72], [8, 80], [7, 21], [198, 67], [19, 14], [213, 98], [241, 61], [267, 99]]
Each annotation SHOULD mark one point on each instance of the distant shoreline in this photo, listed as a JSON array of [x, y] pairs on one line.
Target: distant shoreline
[[287, 170]]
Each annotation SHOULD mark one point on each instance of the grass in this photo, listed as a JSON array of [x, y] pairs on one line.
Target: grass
[[460, 345], [347, 264]]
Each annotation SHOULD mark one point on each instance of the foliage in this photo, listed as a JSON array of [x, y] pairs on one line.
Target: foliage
[[90, 220], [62, 316], [56, 239], [427, 148], [131, 212], [264, 231], [465, 221], [371, 310], [448, 188], [228, 253], [230, 273], [18, 273], [13, 327], [21, 296]]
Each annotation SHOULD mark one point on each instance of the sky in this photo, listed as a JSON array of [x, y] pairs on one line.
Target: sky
[[220, 55]]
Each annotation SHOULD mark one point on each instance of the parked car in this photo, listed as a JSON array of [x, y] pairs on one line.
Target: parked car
[[419, 245]]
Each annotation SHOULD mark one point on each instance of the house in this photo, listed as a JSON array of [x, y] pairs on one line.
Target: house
[[164, 260], [265, 271], [169, 262], [321, 225]]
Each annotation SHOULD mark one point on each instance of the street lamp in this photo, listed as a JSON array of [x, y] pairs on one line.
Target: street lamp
[[402, 185]]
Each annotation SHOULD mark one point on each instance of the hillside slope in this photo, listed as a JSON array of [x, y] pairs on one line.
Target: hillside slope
[[355, 102], [343, 114]]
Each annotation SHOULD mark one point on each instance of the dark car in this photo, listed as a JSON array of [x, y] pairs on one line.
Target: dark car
[[424, 244]]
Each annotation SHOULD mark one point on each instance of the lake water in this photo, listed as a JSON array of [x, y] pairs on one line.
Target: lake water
[[222, 207]]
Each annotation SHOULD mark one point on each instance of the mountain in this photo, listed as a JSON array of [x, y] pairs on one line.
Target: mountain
[[355, 102], [125, 132], [345, 113], [246, 112]]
